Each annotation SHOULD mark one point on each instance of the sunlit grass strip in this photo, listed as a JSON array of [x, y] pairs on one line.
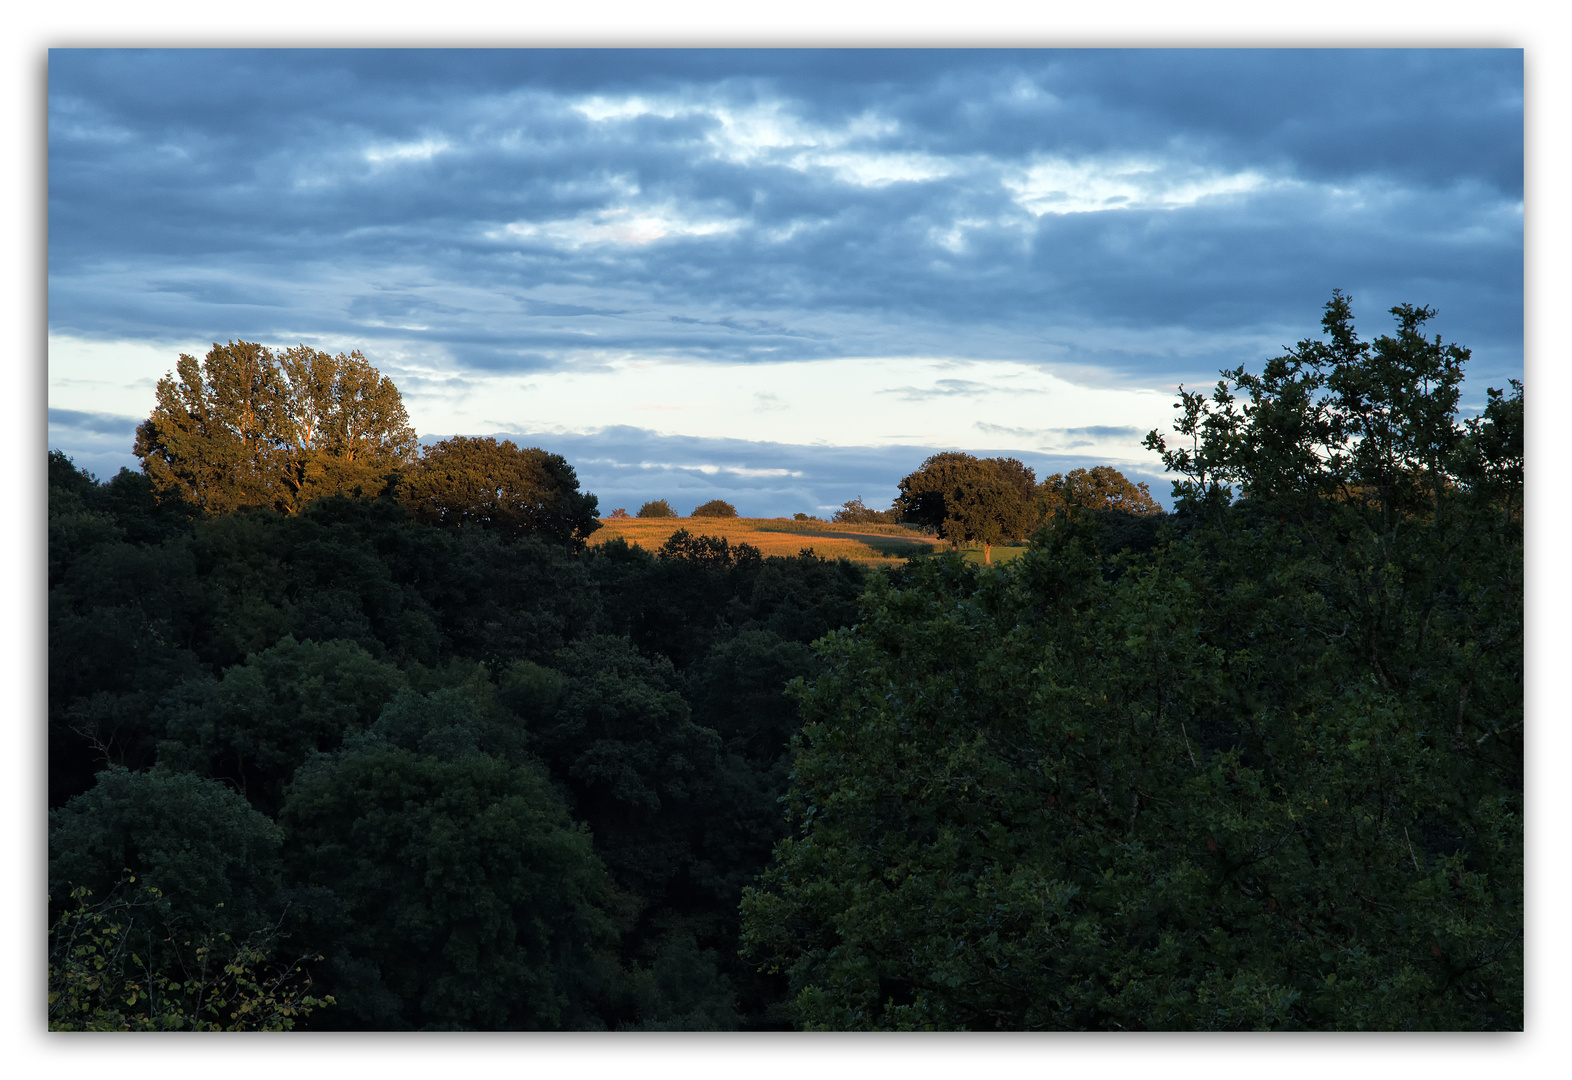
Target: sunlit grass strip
[[777, 536]]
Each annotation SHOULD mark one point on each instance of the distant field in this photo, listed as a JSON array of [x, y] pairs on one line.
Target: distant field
[[869, 543], [778, 536]]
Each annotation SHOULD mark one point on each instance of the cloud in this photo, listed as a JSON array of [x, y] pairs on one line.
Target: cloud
[[942, 388], [1095, 431], [91, 422], [619, 225], [1144, 217], [1060, 186]]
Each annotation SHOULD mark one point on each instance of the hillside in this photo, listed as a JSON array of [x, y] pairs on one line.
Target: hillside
[[866, 543]]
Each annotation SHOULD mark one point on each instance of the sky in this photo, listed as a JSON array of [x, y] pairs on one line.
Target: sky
[[782, 278]]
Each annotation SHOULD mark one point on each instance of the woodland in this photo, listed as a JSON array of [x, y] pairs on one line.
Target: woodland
[[350, 734]]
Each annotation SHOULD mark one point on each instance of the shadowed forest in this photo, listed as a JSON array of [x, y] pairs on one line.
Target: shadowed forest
[[345, 734]]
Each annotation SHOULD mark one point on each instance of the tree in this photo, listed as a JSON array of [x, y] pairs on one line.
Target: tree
[[263, 719], [249, 428], [970, 500], [620, 514], [469, 899], [854, 511], [656, 508], [1268, 774], [1100, 488], [716, 508], [461, 481], [215, 858]]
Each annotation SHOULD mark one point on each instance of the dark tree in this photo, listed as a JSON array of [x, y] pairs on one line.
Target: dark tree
[[656, 508], [1266, 774], [715, 508], [969, 499], [465, 481]]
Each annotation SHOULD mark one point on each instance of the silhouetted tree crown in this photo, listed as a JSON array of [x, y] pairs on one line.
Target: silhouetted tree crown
[[656, 508], [715, 508]]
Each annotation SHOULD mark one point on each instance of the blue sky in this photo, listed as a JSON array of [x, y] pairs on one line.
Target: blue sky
[[777, 277]]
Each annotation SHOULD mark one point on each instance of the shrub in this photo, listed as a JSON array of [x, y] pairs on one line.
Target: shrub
[[716, 508], [656, 508], [619, 514]]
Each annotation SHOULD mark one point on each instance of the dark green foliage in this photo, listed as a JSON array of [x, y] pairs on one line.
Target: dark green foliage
[[620, 736], [249, 652], [481, 482], [701, 589], [737, 690], [468, 898], [215, 857], [971, 500], [656, 508], [1266, 773], [266, 717], [715, 508]]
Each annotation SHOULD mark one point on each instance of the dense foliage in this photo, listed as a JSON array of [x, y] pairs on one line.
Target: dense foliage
[[1101, 487], [493, 780], [968, 499], [250, 427], [1259, 768], [516, 491], [716, 508]]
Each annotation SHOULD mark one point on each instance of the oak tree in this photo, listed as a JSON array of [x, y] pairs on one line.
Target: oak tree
[[971, 500]]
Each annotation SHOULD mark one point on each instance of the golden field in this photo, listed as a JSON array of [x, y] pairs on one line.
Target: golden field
[[778, 536]]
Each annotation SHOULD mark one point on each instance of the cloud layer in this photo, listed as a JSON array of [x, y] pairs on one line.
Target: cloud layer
[[1131, 218]]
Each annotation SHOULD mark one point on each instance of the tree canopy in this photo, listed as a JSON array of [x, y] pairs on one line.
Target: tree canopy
[[716, 508], [971, 500], [466, 481], [656, 508], [1265, 774], [1099, 488], [247, 427]]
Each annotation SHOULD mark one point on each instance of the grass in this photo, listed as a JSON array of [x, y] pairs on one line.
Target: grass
[[875, 543], [872, 543]]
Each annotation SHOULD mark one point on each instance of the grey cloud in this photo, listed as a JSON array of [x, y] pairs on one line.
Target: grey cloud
[[1096, 431], [942, 388], [220, 194], [91, 422]]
